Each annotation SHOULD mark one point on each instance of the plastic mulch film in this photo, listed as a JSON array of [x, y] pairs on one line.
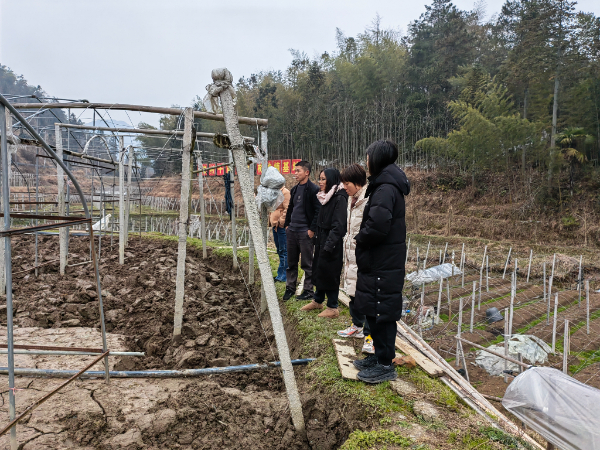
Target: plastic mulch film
[[561, 409], [269, 190], [433, 274]]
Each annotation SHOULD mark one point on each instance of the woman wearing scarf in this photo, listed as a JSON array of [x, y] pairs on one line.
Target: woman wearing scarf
[[329, 243]]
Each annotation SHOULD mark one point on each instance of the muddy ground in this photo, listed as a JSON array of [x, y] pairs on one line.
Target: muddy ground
[[221, 328]]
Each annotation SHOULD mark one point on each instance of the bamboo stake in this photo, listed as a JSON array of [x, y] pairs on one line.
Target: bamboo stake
[[239, 157], [420, 316], [445, 251], [449, 299], [566, 349], [464, 256], [480, 283], [506, 265], [473, 306], [529, 267], [505, 344], [426, 256], [545, 291], [587, 301], [554, 324], [487, 274], [549, 299], [184, 216], [460, 312], [579, 280], [439, 303], [464, 361], [553, 263], [512, 303]]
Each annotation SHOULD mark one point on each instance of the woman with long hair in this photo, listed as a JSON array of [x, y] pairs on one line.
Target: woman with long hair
[[329, 246], [380, 256]]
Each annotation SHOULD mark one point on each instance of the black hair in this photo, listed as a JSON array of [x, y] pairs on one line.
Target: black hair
[[381, 154], [354, 174], [305, 164], [332, 176]]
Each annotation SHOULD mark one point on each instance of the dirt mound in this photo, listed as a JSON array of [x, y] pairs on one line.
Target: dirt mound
[[220, 328]]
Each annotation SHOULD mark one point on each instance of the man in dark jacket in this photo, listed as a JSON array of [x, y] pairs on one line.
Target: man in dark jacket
[[380, 256], [301, 225]]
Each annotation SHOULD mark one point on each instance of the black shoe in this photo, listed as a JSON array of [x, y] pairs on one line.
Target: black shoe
[[362, 364], [306, 295], [288, 294], [377, 374]]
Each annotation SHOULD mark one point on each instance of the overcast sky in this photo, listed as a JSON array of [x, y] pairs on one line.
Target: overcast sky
[[160, 53]]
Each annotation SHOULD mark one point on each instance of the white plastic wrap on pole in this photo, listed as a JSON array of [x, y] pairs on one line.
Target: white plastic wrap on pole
[[507, 261], [128, 204], [60, 185], [529, 266], [184, 216], [239, 156], [121, 201]]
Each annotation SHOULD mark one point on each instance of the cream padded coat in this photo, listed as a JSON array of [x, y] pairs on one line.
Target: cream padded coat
[[355, 216]]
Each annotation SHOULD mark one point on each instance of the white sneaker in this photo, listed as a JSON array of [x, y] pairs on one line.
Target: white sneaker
[[368, 345], [351, 331]]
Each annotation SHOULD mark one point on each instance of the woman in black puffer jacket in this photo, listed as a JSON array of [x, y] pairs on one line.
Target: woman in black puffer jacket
[[329, 243], [380, 256]]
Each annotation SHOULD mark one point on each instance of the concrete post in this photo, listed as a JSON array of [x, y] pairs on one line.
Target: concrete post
[[128, 204], [60, 185], [122, 225], [239, 156], [184, 217]]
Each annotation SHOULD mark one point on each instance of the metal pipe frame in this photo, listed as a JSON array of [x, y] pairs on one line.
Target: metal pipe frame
[[65, 353]]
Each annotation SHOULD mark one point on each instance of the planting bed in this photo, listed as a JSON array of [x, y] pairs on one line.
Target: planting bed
[[221, 328]]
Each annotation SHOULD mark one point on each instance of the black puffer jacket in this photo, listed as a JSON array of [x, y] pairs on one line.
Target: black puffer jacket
[[381, 246], [329, 242], [311, 205]]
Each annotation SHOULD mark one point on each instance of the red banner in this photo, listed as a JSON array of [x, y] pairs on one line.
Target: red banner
[[276, 163], [211, 173], [286, 166], [220, 171], [258, 169], [294, 162]]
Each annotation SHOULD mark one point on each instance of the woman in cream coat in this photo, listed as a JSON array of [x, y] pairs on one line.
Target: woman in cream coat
[[354, 178]]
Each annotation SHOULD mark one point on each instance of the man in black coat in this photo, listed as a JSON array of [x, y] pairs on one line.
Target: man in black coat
[[301, 225], [380, 256]]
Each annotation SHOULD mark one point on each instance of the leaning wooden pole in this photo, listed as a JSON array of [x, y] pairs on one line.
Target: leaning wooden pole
[[224, 78], [184, 216], [60, 185]]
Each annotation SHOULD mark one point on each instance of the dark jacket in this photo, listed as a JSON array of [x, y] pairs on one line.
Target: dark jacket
[[329, 242], [381, 246], [311, 205]]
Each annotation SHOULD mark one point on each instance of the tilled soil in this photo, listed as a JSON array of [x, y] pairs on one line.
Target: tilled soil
[[220, 328]]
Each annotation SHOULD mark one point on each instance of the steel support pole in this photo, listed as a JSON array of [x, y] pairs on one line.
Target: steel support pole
[[184, 217], [8, 279], [239, 156], [122, 226], [202, 206]]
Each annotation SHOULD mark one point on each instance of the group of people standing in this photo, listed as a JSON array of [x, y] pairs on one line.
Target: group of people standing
[[356, 225]]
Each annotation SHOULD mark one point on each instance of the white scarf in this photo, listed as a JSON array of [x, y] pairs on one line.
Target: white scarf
[[325, 197]]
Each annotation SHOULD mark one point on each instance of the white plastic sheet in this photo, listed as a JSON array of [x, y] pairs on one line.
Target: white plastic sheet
[[432, 274], [269, 190], [103, 224], [563, 410], [532, 349]]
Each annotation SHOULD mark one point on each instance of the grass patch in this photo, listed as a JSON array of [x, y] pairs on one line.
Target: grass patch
[[364, 440]]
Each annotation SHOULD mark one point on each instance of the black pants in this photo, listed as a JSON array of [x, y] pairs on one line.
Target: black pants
[[384, 340], [299, 245], [332, 297], [358, 319]]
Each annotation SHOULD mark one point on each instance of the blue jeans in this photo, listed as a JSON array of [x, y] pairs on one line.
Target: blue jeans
[[281, 244]]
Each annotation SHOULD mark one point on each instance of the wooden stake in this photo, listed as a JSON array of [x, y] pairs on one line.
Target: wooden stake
[[184, 217], [439, 303], [440, 260], [579, 280], [566, 349], [445, 251], [449, 299], [458, 334], [480, 283], [553, 263], [512, 304], [420, 316], [554, 324], [426, 256], [529, 266], [487, 274], [473, 306], [506, 334], [464, 256], [549, 298], [587, 301], [507, 261]]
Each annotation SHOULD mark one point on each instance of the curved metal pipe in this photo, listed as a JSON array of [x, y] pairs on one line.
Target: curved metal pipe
[[34, 133], [51, 373]]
